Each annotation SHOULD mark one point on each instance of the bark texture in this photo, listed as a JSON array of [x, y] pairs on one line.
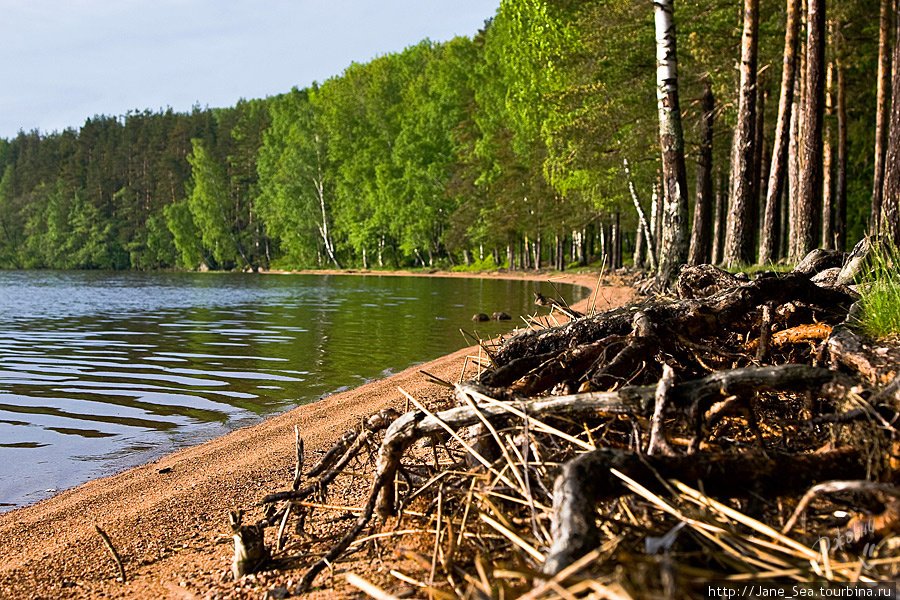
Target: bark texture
[[840, 179], [881, 113], [828, 161], [811, 125], [719, 225], [701, 232], [890, 200], [674, 242], [744, 185]]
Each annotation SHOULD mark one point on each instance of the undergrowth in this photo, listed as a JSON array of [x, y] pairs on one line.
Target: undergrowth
[[879, 289]]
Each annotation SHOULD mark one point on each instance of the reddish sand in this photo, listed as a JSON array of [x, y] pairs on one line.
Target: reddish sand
[[168, 519]]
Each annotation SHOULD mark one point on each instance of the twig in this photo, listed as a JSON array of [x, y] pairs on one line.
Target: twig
[[658, 443], [591, 312], [831, 487], [298, 470], [112, 550], [436, 380], [369, 588], [765, 331]]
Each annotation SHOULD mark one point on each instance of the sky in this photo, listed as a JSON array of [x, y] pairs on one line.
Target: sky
[[64, 61]]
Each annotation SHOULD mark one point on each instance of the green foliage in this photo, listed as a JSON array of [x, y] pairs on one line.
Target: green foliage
[[879, 289], [292, 164], [186, 236], [486, 264], [500, 140]]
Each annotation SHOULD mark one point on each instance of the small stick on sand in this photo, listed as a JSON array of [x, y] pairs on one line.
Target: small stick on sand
[[112, 550]]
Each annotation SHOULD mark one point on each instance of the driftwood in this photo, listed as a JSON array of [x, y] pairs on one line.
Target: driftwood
[[820, 260], [702, 281], [250, 551], [587, 480], [724, 387]]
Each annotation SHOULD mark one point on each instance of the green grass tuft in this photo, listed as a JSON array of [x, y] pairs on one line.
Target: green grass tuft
[[879, 290]]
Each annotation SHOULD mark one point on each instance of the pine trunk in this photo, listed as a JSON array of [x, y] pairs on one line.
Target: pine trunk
[[890, 224], [881, 113], [701, 232], [840, 180], [769, 250], [674, 242], [719, 226], [762, 97], [739, 233], [811, 151], [793, 180], [827, 242]]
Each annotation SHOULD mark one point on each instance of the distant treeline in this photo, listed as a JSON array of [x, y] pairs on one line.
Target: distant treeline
[[507, 147]]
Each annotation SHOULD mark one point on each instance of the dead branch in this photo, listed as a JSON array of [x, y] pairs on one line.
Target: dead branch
[[586, 480], [658, 443]]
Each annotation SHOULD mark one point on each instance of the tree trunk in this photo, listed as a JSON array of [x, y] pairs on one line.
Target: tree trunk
[[795, 153], [793, 180], [763, 183], [639, 251], [674, 243], [840, 183], [655, 218], [762, 97], [827, 242], [590, 242], [890, 224], [739, 235], [617, 244], [769, 250], [719, 224], [701, 232], [643, 227], [881, 113], [811, 166], [583, 257]]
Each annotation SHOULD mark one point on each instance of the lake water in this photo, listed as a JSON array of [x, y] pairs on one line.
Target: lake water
[[104, 371]]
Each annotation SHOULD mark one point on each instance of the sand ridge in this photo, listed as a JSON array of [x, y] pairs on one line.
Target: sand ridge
[[168, 519]]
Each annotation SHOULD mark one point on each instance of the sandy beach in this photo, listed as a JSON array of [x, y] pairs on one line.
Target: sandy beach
[[168, 519]]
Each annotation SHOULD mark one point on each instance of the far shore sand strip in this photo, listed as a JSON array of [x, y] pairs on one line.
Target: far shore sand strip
[[168, 518]]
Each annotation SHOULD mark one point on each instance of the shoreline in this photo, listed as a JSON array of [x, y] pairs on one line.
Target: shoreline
[[168, 518]]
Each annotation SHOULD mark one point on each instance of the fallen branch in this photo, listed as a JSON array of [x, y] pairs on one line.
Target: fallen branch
[[586, 480]]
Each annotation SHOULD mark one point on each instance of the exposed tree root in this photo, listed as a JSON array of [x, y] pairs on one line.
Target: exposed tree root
[[584, 440]]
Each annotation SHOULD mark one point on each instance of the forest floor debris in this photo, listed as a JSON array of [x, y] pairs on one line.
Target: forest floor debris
[[740, 431]]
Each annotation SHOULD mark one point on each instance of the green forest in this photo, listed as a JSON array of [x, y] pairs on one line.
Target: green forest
[[508, 148]]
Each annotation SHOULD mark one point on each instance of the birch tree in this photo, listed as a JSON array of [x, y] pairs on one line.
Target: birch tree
[[674, 242]]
